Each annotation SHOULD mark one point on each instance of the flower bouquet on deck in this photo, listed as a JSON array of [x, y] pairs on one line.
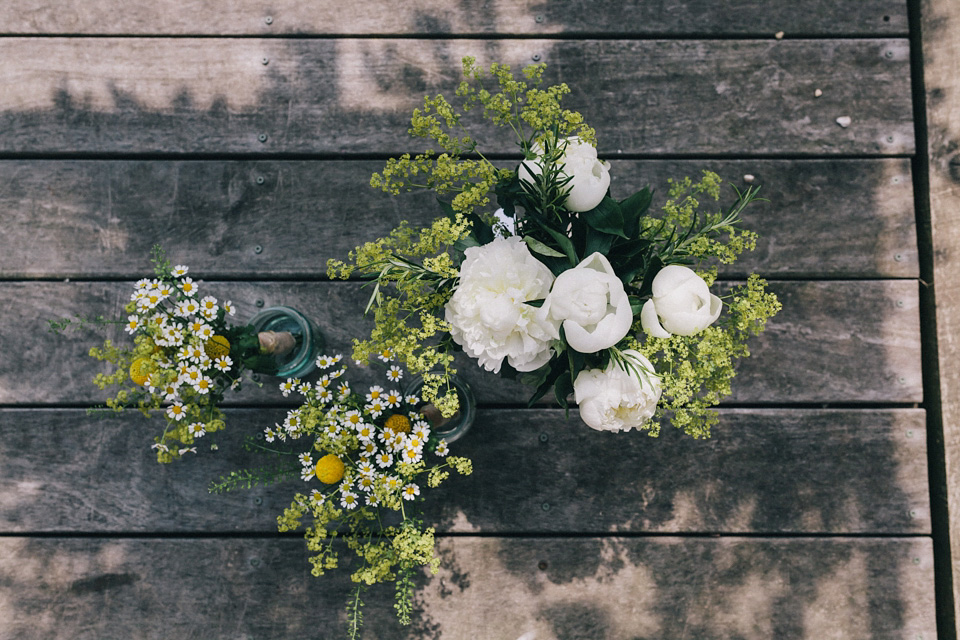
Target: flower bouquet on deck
[[364, 459], [563, 286], [186, 356]]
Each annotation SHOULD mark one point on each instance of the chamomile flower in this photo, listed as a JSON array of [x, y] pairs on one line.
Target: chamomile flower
[[411, 456], [203, 385], [306, 474], [373, 500], [173, 336], [179, 270], [343, 390], [189, 287], [368, 448], [228, 308], [165, 290], [196, 353], [304, 388], [376, 408], [206, 332], [392, 483], [411, 491], [366, 483], [292, 421], [269, 434], [365, 468], [442, 449], [348, 500], [305, 459], [394, 374], [324, 395], [223, 363], [286, 387], [324, 362], [415, 443], [336, 373], [352, 418], [191, 375], [197, 429], [422, 432], [412, 400], [177, 411], [208, 304], [384, 460], [142, 284], [170, 391], [393, 398], [365, 432], [386, 355], [133, 323], [316, 497], [187, 308], [332, 429], [375, 393]]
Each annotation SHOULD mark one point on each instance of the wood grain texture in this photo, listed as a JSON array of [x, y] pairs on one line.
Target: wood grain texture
[[170, 95], [763, 471], [941, 57], [838, 218], [560, 589], [437, 17], [847, 342]]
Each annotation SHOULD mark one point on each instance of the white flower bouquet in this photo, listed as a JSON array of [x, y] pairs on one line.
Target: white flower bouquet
[[563, 286]]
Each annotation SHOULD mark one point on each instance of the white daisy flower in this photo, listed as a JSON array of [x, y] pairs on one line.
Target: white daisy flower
[[179, 270], [348, 500], [365, 432], [394, 374], [365, 468], [133, 323], [307, 474], [376, 408], [316, 497], [323, 382], [269, 434], [324, 395], [442, 449], [386, 355], [287, 386], [187, 308], [410, 456], [352, 418], [189, 287], [208, 314], [304, 388], [411, 491], [414, 442], [344, 389], [422, 432], [393, 398], [292, 421], [384, 460], [305, 459], [177, 412], [197, 429], [170, 391], [373, 500], [206, 332], [165, 290], [337, 373], [174, 336], [366, 483], [223, 363], [203, 385], [375, 393], [392, 483], [208, 303], [142, 284], [324, 362], [229, 308], [204, 362], [412, 400], [368, 448], [191, 376], [332, 429]]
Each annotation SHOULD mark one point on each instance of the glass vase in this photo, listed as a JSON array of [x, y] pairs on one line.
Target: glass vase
[[291, 338], [455, 427]]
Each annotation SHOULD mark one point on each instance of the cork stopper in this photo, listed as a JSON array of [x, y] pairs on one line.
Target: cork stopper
[[277, 343]]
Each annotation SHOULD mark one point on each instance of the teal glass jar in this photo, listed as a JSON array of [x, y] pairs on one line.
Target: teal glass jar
[[455, 427], [293, 340]]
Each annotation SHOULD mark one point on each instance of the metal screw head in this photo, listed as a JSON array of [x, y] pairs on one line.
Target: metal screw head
[[256, 377], [889, 54], [259, 303], [536, 57], [900, 303], [898, 257], [261, 179], [268, 19], [542, 565], [258, 501], [539, 18], [912, 514], [258, 249], [916, 561], [262, 137], [264, 60], [902, 380], [544, 437], [909, 434], [545, 506], [254, 562], [889, 138]]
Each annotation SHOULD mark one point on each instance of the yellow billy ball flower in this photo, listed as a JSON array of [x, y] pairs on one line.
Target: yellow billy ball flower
[[216, 347], [398, 423], [140, 370], [329, 469]]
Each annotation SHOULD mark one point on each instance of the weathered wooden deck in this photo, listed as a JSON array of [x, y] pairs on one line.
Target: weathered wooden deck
[[241, 136]]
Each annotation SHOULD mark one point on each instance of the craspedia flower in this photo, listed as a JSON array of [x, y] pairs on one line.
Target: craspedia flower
[[329, 469], [140, 370], [216, 347], [398, 423]]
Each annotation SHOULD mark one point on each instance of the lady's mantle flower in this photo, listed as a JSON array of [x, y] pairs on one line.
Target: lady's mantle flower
[[487, 314], [616, 400]]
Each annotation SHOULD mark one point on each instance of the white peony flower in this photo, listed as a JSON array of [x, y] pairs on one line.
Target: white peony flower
[[589, 177], [681, 302], [487, 314], [616, 400], [590, 302]]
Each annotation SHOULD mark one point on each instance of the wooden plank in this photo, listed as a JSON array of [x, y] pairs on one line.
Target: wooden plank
[[436, 17], [559, 589], [846, 341], [836, 218], [764, 471], [170, 95], [940, 21]]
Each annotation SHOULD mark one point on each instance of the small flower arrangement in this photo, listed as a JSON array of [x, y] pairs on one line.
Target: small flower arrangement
[[185, 356], [362, 457], [563, 286]]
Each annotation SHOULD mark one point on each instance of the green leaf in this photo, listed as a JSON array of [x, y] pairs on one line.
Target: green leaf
[[536, 303], [538, 247], [606, 217], [633, 209], [466, 243], [563, 241], [598, 241], [557, 368], [562, 389]]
